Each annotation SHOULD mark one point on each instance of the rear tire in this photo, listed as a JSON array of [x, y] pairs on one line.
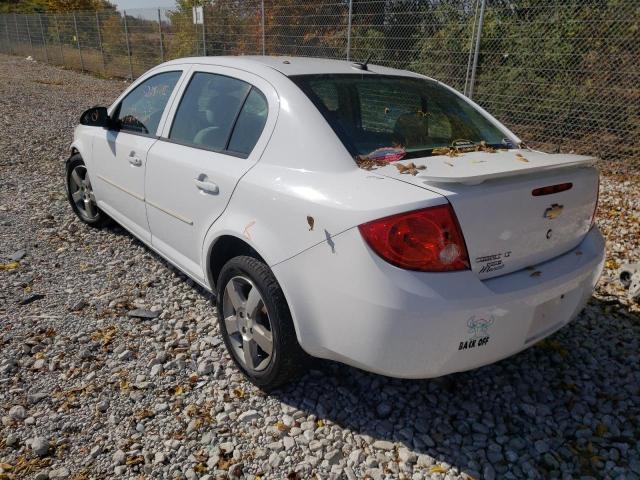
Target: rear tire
[[256, 325], [80, 193]]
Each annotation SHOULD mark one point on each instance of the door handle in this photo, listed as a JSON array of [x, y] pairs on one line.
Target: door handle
[[206, 186], [135, 160]]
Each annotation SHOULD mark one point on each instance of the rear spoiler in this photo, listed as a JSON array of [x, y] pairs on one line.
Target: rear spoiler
[[476, 167]]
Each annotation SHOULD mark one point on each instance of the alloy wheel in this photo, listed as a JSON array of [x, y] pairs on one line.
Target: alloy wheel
[[82, 193], [247, 323]]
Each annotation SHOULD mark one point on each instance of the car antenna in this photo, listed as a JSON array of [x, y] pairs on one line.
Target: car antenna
[[363, 66]]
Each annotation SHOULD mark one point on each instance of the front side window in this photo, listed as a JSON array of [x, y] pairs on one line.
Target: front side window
[[208, 110], [140, 111], [411, 115]]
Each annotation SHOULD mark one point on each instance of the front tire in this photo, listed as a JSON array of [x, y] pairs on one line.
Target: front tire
[[80, 193], [256, 325]]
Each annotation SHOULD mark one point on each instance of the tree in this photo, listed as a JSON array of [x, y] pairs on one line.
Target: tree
[[75, 5], [42, 6], [23, 6]]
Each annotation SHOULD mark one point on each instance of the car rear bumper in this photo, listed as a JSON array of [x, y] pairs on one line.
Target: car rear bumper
[[349, 305]]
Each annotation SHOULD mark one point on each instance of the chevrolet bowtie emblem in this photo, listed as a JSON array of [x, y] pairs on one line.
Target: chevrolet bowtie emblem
[[553, 211]]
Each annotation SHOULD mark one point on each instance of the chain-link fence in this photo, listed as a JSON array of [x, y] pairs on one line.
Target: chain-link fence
[[563, 74]]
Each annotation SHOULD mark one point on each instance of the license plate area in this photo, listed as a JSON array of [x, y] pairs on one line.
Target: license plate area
[[552, 314]]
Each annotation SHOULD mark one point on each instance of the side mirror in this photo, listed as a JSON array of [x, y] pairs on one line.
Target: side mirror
[[96, 117]]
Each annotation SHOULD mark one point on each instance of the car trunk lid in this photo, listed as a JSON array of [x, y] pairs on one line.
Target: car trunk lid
[[505, 225]]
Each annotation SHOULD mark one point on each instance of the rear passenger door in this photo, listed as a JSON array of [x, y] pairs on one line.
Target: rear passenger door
[[213, 136]]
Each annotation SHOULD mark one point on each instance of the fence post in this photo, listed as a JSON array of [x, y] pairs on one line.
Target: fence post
[[204, 35], [262, 25], [196, 43], [126, 36], [26, 21], [75, 26], [349, 30], [476, 54], [467, 72], [44, 41], [59, 40], [104, 64], [6, 31], [160, 35], [15, 20]]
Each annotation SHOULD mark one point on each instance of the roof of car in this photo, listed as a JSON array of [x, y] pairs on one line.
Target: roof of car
[[290, 66]]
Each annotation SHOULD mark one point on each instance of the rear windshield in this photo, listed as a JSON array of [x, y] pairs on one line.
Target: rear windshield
[[408, 116]]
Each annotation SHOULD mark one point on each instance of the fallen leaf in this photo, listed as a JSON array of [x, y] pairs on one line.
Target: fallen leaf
[[449, 163], [537, 273], [367, 163], [553, 345], [137, 460], [225, 463], [144, 413], [440, 151], [483, 147], [437, 469], [409, 168], [238, 392], [106, 335], [451, 152], [9, 266], [310, 221], [521, 158], [601, 429]]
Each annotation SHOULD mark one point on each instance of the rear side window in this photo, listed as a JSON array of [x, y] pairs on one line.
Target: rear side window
[[140, 111], [250, 123], [219, 113]]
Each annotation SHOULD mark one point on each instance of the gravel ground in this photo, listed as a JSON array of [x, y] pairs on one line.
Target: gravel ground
[[89, 391]]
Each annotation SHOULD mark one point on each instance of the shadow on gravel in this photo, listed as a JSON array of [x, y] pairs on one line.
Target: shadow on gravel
[[567, 405], [115, 229]]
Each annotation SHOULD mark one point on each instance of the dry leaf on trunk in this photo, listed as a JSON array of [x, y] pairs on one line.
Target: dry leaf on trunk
[[409, 168]]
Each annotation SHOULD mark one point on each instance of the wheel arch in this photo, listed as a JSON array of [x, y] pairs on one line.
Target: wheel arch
[[78, 147], [222, 249], [228, 245]]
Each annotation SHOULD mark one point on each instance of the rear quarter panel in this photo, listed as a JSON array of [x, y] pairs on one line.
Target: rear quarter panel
[[281, 213]]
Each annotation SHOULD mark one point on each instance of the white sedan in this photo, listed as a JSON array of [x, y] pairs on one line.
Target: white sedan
[[346, 211]]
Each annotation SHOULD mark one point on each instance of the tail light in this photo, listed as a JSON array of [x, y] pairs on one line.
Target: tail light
[[427, 240]]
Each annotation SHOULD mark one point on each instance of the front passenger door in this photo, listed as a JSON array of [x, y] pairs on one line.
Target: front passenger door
[[120, 152]]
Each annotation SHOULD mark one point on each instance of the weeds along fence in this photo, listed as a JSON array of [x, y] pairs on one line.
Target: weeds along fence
[[563, 74]]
